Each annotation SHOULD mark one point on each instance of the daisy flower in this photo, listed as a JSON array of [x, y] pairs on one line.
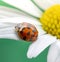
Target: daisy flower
[[48, 25]]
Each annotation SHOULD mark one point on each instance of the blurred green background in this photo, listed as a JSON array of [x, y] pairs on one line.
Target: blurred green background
[[15, 51]]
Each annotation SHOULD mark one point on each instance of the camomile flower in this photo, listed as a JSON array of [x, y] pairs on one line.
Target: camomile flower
[[48, 26]]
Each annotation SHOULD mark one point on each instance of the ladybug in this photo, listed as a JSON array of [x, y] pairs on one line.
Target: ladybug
[[26, 31]]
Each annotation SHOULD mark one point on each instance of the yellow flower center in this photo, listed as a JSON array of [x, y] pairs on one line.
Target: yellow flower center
[[51, 21]]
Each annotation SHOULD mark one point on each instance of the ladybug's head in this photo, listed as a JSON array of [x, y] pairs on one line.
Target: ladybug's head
[[18, 26]]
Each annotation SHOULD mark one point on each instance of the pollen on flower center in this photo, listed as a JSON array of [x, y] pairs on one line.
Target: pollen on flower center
[[50, 21]]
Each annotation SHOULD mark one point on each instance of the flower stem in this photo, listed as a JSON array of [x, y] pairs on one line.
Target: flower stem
[[10, 6], [37, 6]]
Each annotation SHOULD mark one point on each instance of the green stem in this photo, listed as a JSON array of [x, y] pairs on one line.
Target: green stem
[[10, 6], [37, 6]]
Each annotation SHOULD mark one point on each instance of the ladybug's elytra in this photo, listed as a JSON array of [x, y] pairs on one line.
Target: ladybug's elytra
[[27, 31]]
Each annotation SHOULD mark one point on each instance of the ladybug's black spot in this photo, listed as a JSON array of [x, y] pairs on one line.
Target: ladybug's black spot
[[21, 32], [24, 38], [28, 33]]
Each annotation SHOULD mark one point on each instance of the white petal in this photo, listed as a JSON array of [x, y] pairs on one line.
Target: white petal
[[56, 1], [53, 53], [44, 4], [5, 25], [58, 58], [58, 43], [10, 36], [37, 47], [20, 20], [2, 16], [8, 12], [40, 30], [7, 31], [26, 5]]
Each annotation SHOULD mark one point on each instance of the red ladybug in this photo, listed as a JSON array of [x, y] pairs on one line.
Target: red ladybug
[[27, 31]]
